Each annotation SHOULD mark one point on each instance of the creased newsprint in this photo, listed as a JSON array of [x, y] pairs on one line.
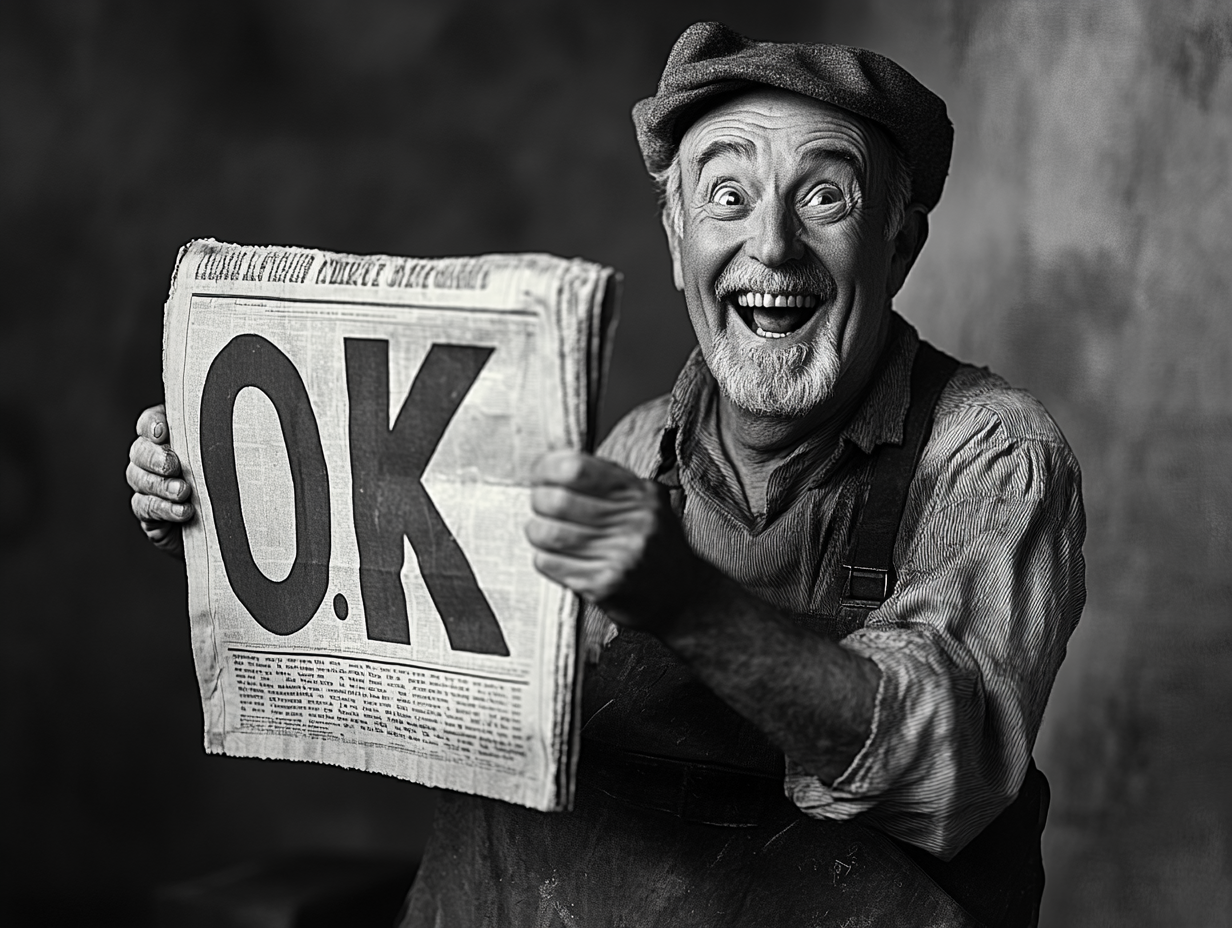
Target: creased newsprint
[[359, 433]]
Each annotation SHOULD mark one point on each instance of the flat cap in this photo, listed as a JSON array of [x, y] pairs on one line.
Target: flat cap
[[710, 59]]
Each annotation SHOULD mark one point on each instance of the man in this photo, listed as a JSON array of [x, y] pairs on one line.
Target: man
[[832, 575]]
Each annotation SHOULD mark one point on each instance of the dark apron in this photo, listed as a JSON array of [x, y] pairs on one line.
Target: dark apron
[[680, 818]]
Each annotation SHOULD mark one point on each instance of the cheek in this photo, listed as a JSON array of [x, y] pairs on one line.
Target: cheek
[[855, 258], [707, 247], [873, 254], [846, 248], [704, 313], [699, 268], [867, 307]]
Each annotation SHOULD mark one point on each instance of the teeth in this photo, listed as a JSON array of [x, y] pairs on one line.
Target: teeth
[[764, 334], [777, 300]]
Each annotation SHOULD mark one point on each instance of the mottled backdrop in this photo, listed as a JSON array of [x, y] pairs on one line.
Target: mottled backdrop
[[1083, 249]]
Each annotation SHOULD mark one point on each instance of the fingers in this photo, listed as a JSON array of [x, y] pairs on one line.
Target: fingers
[[583, 473], [563, 537], [593, 562], [153, 457], [152, 424], [160, 495], [150, 508], [609, 536], [563, 503], [170, 488], [165, 536], [581, 576]]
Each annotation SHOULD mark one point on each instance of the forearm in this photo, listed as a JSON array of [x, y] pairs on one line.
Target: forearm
[[968, 647], [813, 698], [611, 537]]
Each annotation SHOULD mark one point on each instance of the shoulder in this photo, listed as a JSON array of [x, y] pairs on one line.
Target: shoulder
[[976, 392], [996, 464], [991, 439], [634, 441]]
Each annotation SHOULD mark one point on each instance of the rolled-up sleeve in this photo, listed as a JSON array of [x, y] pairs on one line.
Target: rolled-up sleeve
[[991, 586]]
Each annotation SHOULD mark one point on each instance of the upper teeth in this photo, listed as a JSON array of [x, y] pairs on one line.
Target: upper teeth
[[776, 300]]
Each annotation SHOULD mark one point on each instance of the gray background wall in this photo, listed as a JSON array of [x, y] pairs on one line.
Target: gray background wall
[[1082, 250]]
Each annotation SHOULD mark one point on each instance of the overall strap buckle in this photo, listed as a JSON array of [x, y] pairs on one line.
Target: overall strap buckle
[[866, 586], [869, 564]]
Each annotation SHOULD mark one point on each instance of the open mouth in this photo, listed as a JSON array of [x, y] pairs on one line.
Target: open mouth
[[773, 315]]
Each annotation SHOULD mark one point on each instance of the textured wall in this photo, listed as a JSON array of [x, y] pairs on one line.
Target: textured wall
[[1082, 250]]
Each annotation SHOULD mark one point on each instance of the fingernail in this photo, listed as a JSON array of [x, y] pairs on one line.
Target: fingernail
[[157, 430], [179, 509], [174, 487]]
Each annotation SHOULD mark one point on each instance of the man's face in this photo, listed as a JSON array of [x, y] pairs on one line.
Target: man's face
[[782, 254]]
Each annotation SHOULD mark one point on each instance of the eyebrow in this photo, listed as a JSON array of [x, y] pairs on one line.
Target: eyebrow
[[824, 151], [828, 152], [719, 147]]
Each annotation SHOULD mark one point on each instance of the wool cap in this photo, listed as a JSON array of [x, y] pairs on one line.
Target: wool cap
[[710, 59]]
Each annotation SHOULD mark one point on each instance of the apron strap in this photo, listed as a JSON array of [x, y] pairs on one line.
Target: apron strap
[[869, 569]]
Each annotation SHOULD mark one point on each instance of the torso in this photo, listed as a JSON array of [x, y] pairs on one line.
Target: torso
[[610, 863]]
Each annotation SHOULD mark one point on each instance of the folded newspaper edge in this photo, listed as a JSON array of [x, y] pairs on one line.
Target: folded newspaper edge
[[358, 431]]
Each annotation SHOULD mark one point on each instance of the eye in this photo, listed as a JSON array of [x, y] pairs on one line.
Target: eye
[[826, 195], [726, 195]]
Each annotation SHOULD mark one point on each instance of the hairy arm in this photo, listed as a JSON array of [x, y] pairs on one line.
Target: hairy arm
[[611, 536], [813, 698]]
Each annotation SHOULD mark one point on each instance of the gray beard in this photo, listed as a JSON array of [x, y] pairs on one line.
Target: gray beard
[[765, 378], [781, 382]]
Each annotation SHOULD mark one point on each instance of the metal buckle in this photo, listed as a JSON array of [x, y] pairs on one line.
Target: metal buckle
[[873, 576]]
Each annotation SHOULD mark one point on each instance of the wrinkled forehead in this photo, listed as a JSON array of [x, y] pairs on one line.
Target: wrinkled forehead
[[765, 122]]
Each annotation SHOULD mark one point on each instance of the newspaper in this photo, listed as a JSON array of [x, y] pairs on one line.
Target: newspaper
[[359, 433]]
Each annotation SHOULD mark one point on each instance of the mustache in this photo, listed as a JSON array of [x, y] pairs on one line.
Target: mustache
[[792, 277]]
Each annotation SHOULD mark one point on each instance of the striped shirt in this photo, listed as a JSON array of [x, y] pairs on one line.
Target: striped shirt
[[990, 580]]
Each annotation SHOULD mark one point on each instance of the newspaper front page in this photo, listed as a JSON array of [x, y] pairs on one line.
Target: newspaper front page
[[359, 433]]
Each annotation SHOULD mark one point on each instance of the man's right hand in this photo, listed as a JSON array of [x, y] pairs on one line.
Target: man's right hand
[[161, 496]]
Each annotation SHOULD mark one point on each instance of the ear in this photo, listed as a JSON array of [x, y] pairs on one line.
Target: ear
[[906, 247], [673, 245]]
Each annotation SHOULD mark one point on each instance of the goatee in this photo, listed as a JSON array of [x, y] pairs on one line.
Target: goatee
[[764, 376]]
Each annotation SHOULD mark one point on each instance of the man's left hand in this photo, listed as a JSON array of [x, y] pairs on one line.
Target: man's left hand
[[611, 537]]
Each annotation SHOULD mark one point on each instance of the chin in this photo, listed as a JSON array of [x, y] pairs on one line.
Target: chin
[[776, 381]]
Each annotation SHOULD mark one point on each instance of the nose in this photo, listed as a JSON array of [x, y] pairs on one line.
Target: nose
[[775, 234]]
